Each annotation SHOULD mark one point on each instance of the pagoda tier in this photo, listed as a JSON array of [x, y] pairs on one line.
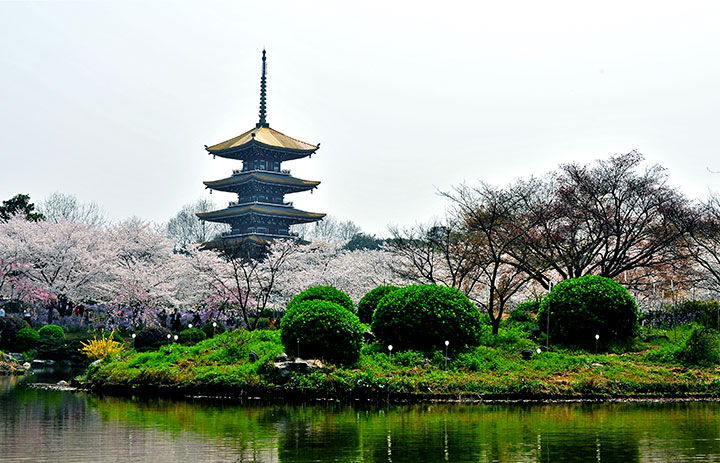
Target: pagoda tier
[[260, 212], [254, 182], [267, 220], [273, 212], [263, 143]]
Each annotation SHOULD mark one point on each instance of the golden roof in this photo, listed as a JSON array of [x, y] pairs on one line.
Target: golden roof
[[264, 177], [266, 136], [259, 208]]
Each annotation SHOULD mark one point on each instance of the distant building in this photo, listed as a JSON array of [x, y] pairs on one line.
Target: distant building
[[260, 212]]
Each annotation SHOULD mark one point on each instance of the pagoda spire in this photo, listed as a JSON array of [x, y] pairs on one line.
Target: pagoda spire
[[263, 80]]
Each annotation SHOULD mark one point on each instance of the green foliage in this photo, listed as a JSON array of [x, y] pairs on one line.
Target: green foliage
[[424, 317], [9, 327], [700, 348], [525, 312], [25, 339], [191, 336], [211, 330], [410, 358], [19, 204], [59, 349], [368, 303], [151, 338], [324, 293], [360, 241], [325, 329], [51, 331], [582, 307]]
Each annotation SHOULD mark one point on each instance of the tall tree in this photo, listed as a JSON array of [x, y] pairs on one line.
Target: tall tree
[[19, 205], [243, 277], [60, 206], [185, 228], [438, 254], [604, 219], [704, 241], [496, 232]]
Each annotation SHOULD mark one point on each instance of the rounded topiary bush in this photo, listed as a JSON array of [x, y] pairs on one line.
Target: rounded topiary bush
[[151, 337], [324, 293], [325, 329], [211, 330], [51, 331], [368, 303], [25, 339], [583, 307], [424, 317], [191, 336]]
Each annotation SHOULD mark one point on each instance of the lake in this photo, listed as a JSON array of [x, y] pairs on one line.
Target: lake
[[56, 426]]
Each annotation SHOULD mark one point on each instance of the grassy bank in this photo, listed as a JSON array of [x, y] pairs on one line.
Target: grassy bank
[[495, 369]]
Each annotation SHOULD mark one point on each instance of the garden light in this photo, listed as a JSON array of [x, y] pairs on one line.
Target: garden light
[[447, 343], [597, 337], [390, 349], [175, 337]]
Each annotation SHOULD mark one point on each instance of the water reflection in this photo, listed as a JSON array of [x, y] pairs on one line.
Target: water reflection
[[58, 426]]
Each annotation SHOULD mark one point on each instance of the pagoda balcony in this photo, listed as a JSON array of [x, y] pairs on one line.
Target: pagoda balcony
[[237, 172], [272, 235], [238, 203]]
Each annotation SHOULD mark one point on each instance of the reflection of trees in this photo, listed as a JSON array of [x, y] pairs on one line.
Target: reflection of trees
[[136, 430]]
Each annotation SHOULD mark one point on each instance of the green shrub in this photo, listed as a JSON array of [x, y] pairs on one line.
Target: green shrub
[[583, 307], [326, 330], [410, 358], [211, 330], [9, 327], [701, 348], [25, 339], [151, 338], [51, 331], [191, 336], [524, 312], [49, 348], [367, 305], [324, 293], [424, 317]]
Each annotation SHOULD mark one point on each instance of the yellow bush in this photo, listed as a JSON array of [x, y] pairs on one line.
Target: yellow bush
[[97, 349]]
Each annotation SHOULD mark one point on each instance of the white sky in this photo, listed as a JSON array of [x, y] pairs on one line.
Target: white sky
[[113, 101]]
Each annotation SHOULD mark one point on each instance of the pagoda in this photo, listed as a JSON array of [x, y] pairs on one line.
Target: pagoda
[[260, 213]]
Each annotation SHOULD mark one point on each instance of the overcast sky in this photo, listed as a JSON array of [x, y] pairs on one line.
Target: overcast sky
[[113, 101]]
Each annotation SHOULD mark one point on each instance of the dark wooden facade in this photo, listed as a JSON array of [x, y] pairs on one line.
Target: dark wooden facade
[[260, 212]]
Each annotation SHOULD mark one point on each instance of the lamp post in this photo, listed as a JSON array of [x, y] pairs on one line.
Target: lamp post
[[214, 326], [447, 343], [189, 325], [297, 340], [175, 338], [597, 337], [390, 349]]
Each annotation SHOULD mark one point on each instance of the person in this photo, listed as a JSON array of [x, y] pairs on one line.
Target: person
[[175, 320]]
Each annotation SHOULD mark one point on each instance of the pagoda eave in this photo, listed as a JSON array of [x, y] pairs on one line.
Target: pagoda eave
[[249, 149], [233, 213], [287, 183]]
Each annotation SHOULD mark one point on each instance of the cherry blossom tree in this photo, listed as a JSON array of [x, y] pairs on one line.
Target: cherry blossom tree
[[62, 258]]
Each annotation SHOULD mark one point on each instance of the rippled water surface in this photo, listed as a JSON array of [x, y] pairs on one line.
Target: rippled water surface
[[52, 426]]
